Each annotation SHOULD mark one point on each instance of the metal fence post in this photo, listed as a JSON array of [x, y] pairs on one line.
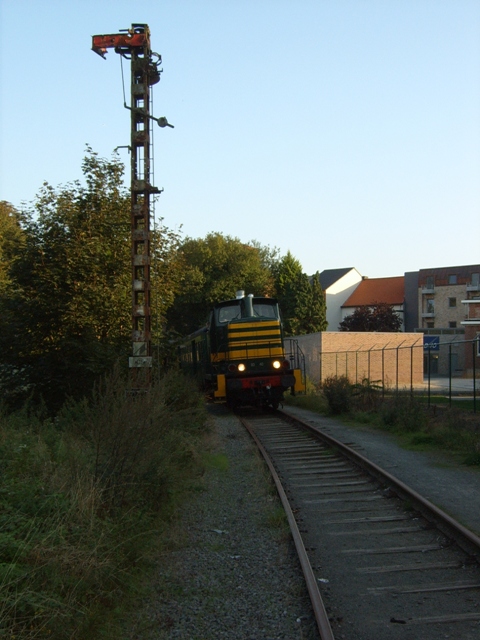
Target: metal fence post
[[450, 374], [411, 370], [428, 372], [383, 372], [475, 345], [396, 372]]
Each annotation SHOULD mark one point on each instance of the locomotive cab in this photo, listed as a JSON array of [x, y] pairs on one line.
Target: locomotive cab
[[239, 356], [247, 352]]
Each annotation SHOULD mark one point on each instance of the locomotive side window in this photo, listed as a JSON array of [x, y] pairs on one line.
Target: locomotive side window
[[225, 314], [265, 310]]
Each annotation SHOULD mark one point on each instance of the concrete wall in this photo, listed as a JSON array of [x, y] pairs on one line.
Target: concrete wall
[[396, 359]]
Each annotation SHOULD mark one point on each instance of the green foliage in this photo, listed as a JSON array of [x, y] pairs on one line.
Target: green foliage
[[452, 430], [366, 394], [285, 271], [66, 316], [381, 317], [313, 401], [338, 391], [82, 500], [404, 412], [11, 242], [301, 301], [213, 269]]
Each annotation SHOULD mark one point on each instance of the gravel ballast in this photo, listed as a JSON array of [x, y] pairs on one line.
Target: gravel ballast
[[235, 573]]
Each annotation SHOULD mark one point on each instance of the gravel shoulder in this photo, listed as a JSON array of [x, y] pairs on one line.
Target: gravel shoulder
[[453, 488], [234, 572]]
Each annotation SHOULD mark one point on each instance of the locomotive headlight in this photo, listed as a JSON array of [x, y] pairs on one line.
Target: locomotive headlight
[[241, 367], [276, 364]]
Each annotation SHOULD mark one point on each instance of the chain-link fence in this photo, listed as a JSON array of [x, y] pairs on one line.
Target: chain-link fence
[[450, 368]]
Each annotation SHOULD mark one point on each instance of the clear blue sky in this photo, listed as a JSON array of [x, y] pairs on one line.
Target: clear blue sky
[[345, 131]]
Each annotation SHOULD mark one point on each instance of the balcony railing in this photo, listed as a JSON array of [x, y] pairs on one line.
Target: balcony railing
[[428, 288], [473, 286]]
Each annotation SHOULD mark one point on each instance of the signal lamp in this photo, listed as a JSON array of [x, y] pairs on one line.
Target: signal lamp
[[276, 364], [232, 367], [241, 367]]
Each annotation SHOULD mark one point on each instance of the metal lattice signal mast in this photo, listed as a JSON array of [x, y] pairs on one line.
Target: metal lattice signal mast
[[134, 44]]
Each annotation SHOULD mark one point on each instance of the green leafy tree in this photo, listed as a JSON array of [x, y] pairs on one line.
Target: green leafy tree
[[381, 317], [213, 269], [301, 301], [67, 317], [303, 306], [286, 271], [315, 318], [385, 318], [11, 241]]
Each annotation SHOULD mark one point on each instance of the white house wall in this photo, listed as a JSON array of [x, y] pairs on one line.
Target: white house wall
[[336, 294]]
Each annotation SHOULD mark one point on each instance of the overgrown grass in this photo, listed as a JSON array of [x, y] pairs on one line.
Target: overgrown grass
[[83, 499], [453, 430]]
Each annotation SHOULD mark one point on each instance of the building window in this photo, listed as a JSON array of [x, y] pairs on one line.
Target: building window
[[430, 282], [430, 325], [452, 279], [430, 305], [475, 279], [452, 302], [478, 345], [452, 325]]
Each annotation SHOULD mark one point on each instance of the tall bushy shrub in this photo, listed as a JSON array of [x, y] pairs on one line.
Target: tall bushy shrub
[[338, 391]]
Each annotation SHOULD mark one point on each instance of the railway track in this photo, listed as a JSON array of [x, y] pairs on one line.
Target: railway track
[[380, 561]]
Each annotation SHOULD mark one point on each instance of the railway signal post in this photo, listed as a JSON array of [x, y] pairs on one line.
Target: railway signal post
[[134, 45]]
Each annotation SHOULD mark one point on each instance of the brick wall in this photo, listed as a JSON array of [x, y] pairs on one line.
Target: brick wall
[[395, 359]]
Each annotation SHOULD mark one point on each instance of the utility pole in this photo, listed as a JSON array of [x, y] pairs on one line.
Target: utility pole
[[134, 45]]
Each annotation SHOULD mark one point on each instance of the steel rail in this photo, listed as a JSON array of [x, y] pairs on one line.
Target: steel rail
[[465, 538], [321, 616]]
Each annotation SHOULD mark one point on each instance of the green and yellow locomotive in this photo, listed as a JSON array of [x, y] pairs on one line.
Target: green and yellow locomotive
[[240, 357]]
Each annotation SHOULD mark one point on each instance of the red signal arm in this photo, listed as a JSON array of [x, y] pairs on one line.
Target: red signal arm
[[100, 44]]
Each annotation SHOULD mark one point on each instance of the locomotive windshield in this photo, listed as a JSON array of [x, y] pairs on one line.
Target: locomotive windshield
[[231, 312], [238, 309], [265, 310]]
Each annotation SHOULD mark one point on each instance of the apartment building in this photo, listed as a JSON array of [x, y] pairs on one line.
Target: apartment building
[[440, 295], [445, 302]]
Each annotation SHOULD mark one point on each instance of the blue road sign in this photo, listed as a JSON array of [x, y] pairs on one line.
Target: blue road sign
[[431, 343]]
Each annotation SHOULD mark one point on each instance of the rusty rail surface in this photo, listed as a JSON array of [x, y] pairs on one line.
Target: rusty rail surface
[[317, 603], [465, 538], [290, 459]]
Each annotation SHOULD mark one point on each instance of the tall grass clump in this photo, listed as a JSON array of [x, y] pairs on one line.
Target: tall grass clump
[[338, 392], [403, 412], [84, 496], [313, 400]]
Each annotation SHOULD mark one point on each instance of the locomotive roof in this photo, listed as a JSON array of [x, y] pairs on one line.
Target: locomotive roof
[[237, 300]]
